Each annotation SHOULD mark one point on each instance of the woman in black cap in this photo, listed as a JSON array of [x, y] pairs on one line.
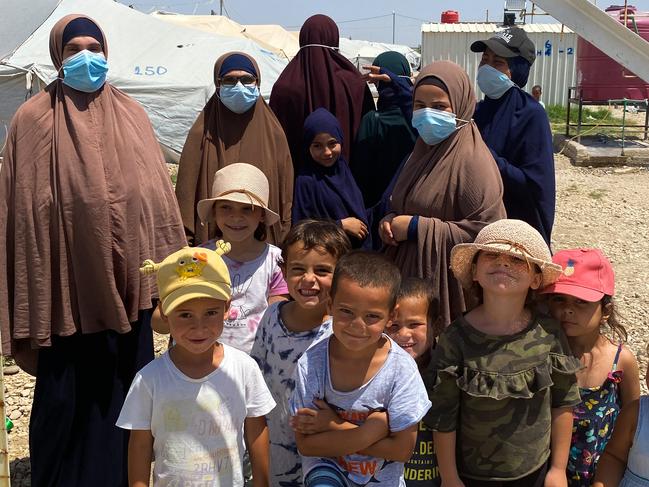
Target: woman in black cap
[[516, 128]]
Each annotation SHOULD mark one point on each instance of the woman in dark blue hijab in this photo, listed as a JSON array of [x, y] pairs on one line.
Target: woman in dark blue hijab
[[385, 136], [516, 129], [325, 187]]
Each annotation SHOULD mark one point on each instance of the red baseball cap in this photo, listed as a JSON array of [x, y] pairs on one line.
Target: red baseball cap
[[587, 274]]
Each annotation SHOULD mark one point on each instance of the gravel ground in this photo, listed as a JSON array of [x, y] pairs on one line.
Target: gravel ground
[[606, 208]]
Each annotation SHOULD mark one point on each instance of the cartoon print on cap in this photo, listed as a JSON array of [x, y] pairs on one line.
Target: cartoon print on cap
[[192, 268], [570, 268]]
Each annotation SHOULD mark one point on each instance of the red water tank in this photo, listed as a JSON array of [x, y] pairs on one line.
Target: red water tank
[[450, 17], [600, 77]]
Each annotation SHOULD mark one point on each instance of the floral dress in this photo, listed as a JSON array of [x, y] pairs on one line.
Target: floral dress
[[593, 422]]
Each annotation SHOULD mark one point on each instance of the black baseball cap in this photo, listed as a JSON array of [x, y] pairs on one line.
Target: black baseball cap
[[510, 42]]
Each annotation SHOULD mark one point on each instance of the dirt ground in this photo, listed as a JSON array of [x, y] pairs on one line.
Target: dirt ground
[[606, 208]]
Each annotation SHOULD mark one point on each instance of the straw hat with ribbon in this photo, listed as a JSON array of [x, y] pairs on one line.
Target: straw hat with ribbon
[[241, 183], [513, 237]]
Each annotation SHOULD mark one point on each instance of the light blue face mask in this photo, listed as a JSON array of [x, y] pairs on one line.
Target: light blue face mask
[[434, 125], [85, 71], [239, 98], [492, 82]]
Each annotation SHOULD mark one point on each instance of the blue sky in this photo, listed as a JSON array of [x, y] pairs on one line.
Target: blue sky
[[377, 25]]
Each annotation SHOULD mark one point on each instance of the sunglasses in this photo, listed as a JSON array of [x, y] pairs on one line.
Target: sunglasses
[[246, 80]]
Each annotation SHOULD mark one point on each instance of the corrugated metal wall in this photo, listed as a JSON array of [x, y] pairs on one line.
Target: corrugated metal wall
[[556, 53]]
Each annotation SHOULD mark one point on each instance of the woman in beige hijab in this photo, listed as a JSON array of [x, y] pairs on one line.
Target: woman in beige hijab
[[85, 197], [236, 125], [448, 189]]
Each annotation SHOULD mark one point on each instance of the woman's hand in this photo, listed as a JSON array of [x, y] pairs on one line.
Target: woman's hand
[[399, 227], [385, 230], [374, 75], [354, 227], [556, 477]]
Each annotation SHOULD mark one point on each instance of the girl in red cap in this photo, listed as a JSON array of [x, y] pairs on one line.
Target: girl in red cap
[[582, 300]]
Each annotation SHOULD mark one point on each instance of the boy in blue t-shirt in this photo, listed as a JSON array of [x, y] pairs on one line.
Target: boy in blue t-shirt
[[414, 328], [310, 252], [358, 396]]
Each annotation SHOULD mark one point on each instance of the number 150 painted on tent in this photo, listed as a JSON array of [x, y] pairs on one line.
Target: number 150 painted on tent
[[150, 70]]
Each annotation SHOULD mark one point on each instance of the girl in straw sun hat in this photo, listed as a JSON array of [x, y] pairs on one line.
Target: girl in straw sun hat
[[502, 379], [238, 208]]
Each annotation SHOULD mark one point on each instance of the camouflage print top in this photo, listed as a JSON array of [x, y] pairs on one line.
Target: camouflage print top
[[497, 392]]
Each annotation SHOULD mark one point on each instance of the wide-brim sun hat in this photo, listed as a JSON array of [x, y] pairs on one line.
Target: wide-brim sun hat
[[513, 237], [241, 183]]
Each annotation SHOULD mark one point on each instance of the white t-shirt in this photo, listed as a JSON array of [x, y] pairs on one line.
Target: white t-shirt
[[277, 350], [197, 424], [253, 282], [396, 388]]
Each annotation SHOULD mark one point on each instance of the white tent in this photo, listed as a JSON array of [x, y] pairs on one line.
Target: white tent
[[275, 35], [24, 19], [215, 24], [284, 43], [223, 26], [167, 68], [362, 53], [272, 37]]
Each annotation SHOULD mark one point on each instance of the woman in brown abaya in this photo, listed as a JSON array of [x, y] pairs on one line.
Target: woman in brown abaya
[[236, 125], [85, 197], [447, 190]]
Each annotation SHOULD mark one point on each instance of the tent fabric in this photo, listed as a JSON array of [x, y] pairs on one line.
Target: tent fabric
[[284, 43], [282, 40], [223, 26], [19, 19], [168, 70], [214, 24], [362, 53]]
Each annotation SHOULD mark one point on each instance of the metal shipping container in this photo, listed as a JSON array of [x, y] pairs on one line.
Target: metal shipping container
[[554, 68]]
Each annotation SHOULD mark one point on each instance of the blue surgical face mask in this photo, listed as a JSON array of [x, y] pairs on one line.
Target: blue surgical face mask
[[492, 82], [434, 125], [85, 71], [239, 98]]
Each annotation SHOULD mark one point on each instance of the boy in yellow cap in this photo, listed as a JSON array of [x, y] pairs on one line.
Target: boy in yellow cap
[[189, 408]]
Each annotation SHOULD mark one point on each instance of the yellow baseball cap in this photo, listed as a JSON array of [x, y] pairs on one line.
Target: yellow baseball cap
[[191, 273]]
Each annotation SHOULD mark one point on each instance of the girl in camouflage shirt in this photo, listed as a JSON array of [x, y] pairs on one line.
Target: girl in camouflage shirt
[[502, 379]]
